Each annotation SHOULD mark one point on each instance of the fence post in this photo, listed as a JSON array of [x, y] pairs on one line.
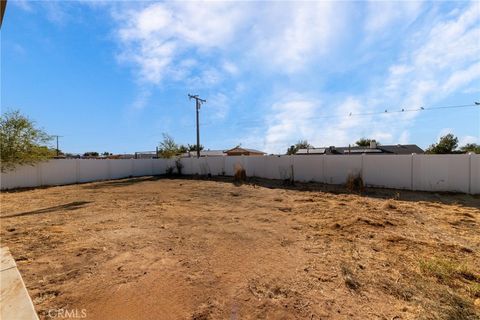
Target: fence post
[[77, 170], [470, 172], [411, 170], [39, 174], [223, 165], [361, 169], [292, 167], [324, 174], [109, 169]]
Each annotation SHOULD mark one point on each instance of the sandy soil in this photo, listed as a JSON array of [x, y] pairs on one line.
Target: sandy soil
[[186, 248]]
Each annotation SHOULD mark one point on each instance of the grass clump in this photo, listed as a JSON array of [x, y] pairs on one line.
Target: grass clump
[[240, 174], [355, 183], [474, 290], [447, 271], [350, 279]]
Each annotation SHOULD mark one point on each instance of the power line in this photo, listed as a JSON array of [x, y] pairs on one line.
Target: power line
[[384, 112]]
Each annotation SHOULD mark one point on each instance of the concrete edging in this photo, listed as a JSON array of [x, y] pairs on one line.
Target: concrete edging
[[15, 303]]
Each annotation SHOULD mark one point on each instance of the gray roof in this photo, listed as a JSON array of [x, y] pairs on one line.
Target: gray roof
[[380, 149], [311, 151], [402, 148], [205, 153]]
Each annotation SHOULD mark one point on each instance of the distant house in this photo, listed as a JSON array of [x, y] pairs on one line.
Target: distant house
[[372, 149], [204, 153], [238, 151]]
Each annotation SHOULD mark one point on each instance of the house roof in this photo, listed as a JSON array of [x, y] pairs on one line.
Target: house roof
[[402, 148], [311, 151], [380, 149], [205, 153], [245, 149]]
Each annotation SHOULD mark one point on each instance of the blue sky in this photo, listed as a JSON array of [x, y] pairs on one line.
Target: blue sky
[[114, 75]]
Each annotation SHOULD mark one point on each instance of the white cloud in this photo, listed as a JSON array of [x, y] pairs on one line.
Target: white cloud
[[217, 108], [300, 117], [230, 67], [442, 60], [290, 121], [22, 4], [283, 36], [157, 37], [383, 14], [437, 58], [142, 99], [291, 35], [468, 139]]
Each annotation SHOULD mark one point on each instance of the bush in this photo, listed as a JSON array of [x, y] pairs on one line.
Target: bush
[[179, 166], [355, 183], [169, 171], [240, 174]]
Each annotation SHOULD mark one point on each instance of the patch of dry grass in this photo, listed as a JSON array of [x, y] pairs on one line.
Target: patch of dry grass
[[447, 271]]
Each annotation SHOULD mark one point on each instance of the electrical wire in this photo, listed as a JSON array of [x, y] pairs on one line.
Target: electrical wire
[[384, 112]]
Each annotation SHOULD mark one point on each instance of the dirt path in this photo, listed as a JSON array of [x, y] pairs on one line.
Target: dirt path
[[196, 249]]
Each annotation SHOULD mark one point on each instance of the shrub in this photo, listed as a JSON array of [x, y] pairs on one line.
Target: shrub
[[240, 174], [355, 183], [179, 166], [169, 171]]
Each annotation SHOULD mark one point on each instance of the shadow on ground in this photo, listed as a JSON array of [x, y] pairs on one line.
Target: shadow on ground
[[67, 206], [121, 182], [380, 193]]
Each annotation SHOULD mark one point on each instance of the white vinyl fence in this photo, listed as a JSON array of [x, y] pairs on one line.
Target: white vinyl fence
[[456, 173]]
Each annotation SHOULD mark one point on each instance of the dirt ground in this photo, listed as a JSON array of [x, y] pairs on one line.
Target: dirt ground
[[152, 248]]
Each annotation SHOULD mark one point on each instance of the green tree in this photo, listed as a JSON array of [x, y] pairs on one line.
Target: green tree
[[193, 147], [168, 148], [470, 147], [91, 154], [301, 144], [365, 142], [21, 142], [447, 144]]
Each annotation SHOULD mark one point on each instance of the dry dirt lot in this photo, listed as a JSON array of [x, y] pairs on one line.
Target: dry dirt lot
[[153, 248]]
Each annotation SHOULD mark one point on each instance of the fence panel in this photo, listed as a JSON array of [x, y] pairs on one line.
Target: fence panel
[[159, 166], [337, 168], [57, 172], [120, 168], [394, 171], [446, 172], [475, 173], [142, 167], [92, 170], [189, 166], [214, 165], [21, 177], [255, 166], [278, 167], [457, 173], [231, 163], [308, 168]]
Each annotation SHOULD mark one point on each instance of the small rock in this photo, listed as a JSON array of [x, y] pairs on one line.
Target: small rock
[[10, 229]]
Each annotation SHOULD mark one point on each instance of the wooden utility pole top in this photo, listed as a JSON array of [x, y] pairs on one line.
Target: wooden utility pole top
[[198, 103], [2, 7]]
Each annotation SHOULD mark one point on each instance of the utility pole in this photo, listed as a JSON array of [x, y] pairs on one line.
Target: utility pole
[[198, 103], [58, 150]]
